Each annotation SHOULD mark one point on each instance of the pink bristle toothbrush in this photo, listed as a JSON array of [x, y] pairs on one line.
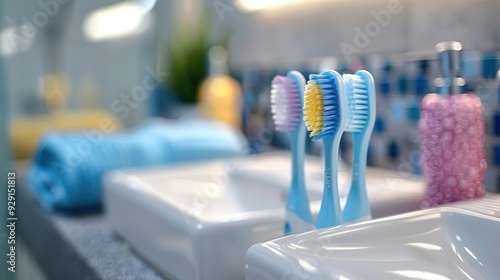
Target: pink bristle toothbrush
[[286, 107]]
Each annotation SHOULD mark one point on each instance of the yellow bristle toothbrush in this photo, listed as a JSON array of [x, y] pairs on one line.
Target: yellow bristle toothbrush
[[325, 118]]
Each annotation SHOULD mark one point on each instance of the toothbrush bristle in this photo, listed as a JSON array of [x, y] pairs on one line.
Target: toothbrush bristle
[[313, 108], [285, 104], [356, 90], [321, 106]]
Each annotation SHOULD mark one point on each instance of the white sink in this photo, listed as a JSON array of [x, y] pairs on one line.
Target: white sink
[[439, 244], [197, 221], [389, 192]]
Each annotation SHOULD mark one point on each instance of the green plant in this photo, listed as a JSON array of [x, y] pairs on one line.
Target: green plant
[[186, 60]]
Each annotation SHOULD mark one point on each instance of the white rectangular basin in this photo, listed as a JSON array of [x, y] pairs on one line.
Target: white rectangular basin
[[389, 192], [440, 244], [197, 221]]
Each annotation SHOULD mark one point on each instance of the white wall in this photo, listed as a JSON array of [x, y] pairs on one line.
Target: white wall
[[116, 66], [272, 37], [317, 28]]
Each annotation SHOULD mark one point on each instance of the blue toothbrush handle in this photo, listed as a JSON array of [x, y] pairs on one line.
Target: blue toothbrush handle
[[330, 213], [298, 216], [357, 206]]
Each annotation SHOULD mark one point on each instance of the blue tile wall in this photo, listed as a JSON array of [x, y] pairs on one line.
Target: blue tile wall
[[401, 81]]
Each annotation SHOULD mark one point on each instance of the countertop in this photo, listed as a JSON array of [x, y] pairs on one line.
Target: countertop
[[76, 246]]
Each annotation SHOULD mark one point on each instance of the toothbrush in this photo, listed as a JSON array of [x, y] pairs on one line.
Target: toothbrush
[[286, 107], [325, 117], [360, 91]]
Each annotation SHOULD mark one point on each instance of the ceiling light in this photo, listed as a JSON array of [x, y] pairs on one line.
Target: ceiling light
[[254, 5]]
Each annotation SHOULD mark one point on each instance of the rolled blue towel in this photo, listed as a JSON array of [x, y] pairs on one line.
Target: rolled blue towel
[[68, 167]]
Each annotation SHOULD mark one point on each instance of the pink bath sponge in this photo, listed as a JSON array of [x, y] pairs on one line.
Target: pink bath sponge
[[452, 144]]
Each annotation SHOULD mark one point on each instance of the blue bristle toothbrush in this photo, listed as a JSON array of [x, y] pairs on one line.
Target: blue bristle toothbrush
[[286, 107], [325, 118], [361, 107]]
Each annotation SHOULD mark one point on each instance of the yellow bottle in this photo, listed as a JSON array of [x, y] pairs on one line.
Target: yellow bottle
[[220, 95]]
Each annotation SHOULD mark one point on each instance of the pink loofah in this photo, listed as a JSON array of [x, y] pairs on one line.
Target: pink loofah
[[452, 144]]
